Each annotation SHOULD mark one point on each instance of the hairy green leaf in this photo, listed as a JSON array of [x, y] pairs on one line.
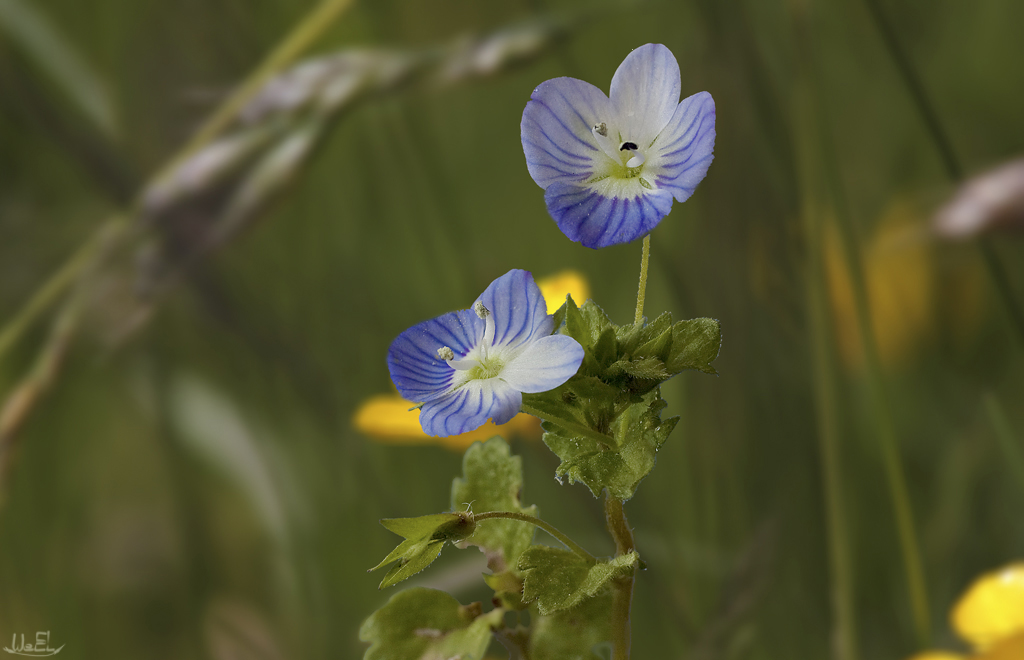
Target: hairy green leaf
[[695, 345], [425, 536], [558, 579], [632, 336], [493, 481], [572, 634], [648, 368], [425, 624], [639, 432]]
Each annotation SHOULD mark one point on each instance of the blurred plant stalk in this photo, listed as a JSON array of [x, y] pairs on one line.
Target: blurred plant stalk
[[821, 161], [844, 630], [26, 395], [218, 184]]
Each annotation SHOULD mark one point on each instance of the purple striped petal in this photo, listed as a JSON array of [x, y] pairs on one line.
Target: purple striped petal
[[556, 130], [417, 371], [544, 365], [596, 221], [645, 92], [470, 407], [518, 308], [683, 152]]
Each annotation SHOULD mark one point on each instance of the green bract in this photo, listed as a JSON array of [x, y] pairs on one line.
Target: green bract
[[605, 422], [424, 538]]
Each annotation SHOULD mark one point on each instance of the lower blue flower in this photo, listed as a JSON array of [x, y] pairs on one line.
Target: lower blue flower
[[473, 365]]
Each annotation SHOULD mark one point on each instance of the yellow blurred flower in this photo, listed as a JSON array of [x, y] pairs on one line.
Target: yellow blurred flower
[[990, 616], [387, 418], [390, 419], [898, 274], [555, 288]]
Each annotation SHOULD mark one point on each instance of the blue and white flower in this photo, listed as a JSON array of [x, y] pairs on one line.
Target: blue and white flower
[[611, 165], [473, 365]]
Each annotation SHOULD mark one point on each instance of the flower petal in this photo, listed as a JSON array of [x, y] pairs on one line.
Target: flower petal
[[518, 309], [588, 217], [544, 365], [417, 371], [470, 406], [556, 130], [682, 153], [645, 92]]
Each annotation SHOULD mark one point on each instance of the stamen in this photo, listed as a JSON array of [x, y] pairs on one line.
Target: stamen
[[445, 353], [631, 146], [463, 365], [488, 318], [600, 132]]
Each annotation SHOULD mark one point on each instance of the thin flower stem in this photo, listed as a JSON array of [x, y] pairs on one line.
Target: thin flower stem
[[622, 596], [546, 526], [576, 427], [947, 153], [641, 293]]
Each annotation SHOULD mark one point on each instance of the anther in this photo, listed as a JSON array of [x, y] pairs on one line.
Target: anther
[[480, 310], [601, 129], [445, 353], [631, 146]]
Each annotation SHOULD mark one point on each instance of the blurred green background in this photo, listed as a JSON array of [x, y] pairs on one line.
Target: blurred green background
[[186, 481]]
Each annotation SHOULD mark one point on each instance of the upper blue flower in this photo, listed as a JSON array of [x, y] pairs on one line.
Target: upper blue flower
[[471, 365], [610, 166]]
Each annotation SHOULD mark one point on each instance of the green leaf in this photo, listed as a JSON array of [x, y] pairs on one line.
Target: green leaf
[[660, 343], [559, 315], [606, 348], [581, 415], [695, 345], [639, 432], [632, 336], [648, 368], [595, 319], [585, 324], [558, 579], [571, 634], [425, 624], [575, 326], [425, 536], [591, 390], [493, 481]]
